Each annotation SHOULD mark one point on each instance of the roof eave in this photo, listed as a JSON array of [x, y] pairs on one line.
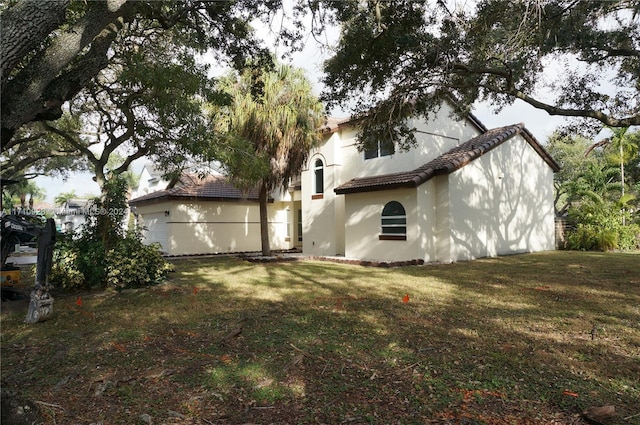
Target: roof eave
[[377, 187]]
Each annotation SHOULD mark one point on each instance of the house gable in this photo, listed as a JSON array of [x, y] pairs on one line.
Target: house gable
[[446, 163]]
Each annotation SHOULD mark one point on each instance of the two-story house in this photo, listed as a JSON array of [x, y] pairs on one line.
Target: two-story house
[[463, 192]]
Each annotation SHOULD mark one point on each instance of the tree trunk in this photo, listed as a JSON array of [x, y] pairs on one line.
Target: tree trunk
[[264, 220], [51, 77], [621, 168], [25, 26]]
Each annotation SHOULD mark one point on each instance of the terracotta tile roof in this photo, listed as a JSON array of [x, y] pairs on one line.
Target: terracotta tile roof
[[446, 163], [333, 123], [191, 187]]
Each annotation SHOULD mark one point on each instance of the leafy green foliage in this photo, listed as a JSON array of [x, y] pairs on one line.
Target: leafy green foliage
[[21, 194], [404, 57], [35, 151], [88, 33], [131, 264], [271, 122], [600, 226], [266, 130], [104, 254], [573, 179], [601, 207], [128, 72]]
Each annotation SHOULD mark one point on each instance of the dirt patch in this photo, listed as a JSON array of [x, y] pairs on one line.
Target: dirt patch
[[18, 411]]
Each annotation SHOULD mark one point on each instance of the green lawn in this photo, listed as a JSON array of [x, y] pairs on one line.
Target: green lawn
[[526, 339]]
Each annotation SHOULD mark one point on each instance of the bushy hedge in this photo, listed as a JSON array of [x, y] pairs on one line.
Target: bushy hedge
[[132, 264], [82, 264], [104, 254], [600, 226]]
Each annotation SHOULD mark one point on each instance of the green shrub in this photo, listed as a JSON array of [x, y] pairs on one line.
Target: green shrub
[[132, 264], [80, 264], [599, 226], [64, 271], [104, 255]]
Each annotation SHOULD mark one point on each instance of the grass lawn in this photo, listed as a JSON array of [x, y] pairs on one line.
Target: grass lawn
[[526, 339]]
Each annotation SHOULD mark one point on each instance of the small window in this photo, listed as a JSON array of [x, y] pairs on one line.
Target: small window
[[288, 224], [394, 222], [318, 172], [381, 148]]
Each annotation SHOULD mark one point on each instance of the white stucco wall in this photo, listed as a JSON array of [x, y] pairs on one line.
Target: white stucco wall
[[155, 228], [501, 203], [434, 137], [427, 219], [213, 227], [148, 183], [324, 223], [322, 216], [363, 213]]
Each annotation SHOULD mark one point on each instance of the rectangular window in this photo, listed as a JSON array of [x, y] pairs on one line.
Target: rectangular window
[[288, 224], [318, 177], [387, 147], [299, 225], [382, 148], [371, 152]]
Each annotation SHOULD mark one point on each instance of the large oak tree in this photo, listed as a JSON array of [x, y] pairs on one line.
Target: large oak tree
[[54, 52], [570, 58]]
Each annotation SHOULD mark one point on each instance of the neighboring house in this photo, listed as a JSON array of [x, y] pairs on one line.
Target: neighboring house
[[71, 215], [150, 181], [209, 215], [463, 192]]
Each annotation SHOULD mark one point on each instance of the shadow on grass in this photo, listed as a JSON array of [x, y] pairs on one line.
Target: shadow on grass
[[523, 339]]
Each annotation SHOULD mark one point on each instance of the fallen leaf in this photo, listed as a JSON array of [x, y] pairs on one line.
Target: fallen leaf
[[119, 347]]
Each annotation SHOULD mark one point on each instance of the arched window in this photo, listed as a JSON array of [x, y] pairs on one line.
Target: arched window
[[394, 222], [318, 172]]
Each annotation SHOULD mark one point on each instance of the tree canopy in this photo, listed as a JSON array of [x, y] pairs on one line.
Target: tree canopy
[[395, 58], [52, 52], [597, 189], [577, 59], [147, 102]]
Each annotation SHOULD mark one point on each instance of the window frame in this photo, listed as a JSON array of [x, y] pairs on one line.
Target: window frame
[[395, 221], [318, 179], [383, 148]]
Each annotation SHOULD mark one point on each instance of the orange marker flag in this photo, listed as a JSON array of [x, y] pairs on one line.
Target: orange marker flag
[[79, 301], [405, 299], [195, 290]]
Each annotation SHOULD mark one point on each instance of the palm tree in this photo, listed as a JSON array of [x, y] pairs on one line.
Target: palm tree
[[622, 148], [21, 189], [64, 197], [268, 129]]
